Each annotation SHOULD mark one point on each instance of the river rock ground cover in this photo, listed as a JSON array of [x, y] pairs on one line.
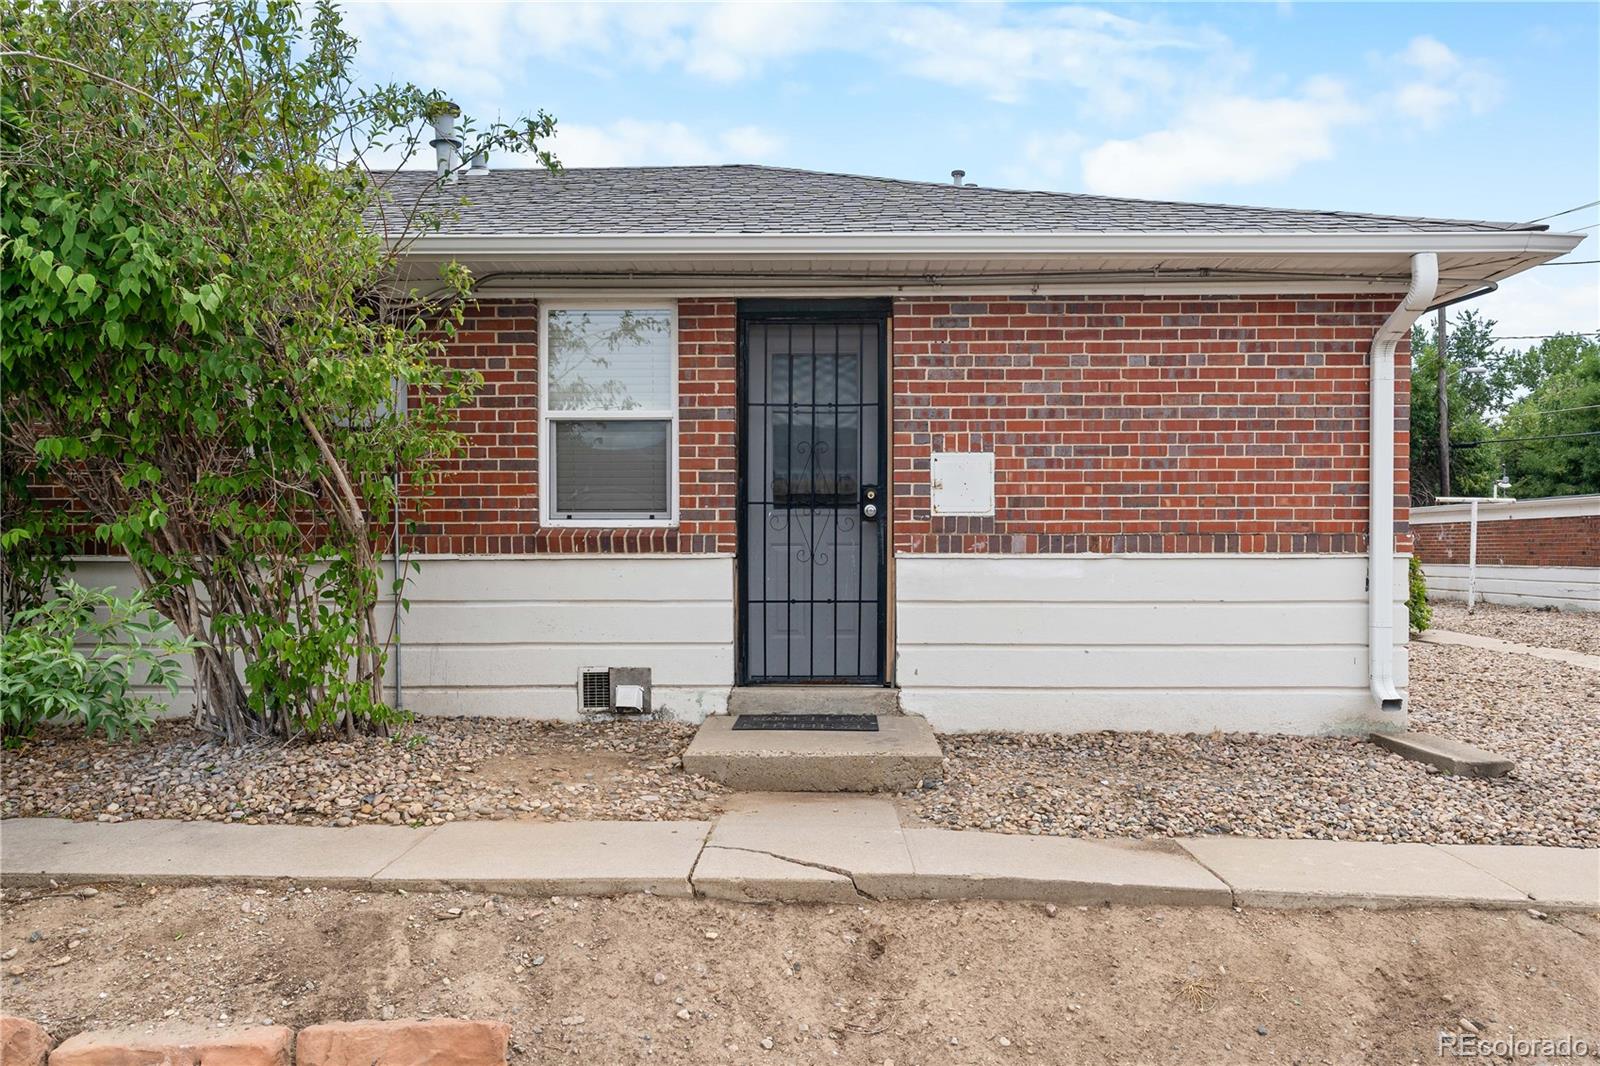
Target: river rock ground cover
[[1545, 715], [436, 770], [1572, 630]]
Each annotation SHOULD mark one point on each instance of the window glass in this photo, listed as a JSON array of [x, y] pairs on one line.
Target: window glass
[[617, 468], [605, 359], [814, 462]]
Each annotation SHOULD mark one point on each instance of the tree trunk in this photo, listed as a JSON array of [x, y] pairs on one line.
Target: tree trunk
[[220, 699]]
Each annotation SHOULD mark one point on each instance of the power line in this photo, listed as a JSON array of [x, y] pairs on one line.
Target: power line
[[1549, 336], [1519, 440], [1569, 263], [1566, 410], [1558, 214]]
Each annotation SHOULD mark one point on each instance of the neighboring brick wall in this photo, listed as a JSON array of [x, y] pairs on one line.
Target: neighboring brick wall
[[1143, 424], [1571, 541], [487, 500]]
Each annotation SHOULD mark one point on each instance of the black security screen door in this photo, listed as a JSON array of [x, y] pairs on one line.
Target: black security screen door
[[812, 491]]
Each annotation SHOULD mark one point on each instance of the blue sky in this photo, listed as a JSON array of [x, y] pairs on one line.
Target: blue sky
[[1453, 110]]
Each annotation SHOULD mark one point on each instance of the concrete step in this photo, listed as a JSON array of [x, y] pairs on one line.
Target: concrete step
[[813, 699], [901, 754], [1451, 756]]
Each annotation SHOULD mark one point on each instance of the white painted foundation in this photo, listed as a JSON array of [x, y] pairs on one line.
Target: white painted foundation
[[506, 636], [1568, 588], [1178, 643]]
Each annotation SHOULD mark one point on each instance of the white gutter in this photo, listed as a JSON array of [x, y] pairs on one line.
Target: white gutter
[[816, 245], [1380, 480]]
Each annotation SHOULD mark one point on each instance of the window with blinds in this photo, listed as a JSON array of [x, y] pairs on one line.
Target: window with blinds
[[609, 415]]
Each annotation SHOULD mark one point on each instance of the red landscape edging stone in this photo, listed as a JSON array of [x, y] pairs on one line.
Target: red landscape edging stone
[[22, 1043], [262, 1045], [407, 1042]]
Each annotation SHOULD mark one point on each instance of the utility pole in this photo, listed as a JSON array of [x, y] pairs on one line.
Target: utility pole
[[1441, 343]]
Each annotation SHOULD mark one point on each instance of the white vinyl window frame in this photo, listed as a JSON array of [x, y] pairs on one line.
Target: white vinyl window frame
[[547, 418]]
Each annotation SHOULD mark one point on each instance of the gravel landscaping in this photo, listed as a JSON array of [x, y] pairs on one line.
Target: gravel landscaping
[[1545, 715], [440, 770], [1572, 630]]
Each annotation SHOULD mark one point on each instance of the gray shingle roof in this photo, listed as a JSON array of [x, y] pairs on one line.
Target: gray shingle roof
[[759, 199]]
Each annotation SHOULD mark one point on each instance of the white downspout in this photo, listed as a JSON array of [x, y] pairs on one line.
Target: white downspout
[[1380, 480]]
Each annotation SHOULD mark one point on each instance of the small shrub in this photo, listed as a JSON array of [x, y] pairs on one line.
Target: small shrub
[[78, 657], [1421, 613]]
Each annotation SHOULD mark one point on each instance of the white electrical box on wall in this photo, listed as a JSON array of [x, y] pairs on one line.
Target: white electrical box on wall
[[963, 483]]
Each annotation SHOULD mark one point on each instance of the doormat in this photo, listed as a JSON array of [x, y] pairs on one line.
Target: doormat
[[828, 723]]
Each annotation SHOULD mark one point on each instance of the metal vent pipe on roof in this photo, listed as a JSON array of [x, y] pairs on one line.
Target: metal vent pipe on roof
[[957, 177], [446, 145], [480, 164]]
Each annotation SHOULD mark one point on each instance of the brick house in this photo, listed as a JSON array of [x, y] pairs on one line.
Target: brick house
[[1026, 460]]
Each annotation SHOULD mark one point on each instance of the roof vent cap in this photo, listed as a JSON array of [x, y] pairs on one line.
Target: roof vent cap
[[957, 177], [446, 145]]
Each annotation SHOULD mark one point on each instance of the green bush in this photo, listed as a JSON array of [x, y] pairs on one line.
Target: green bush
[[78, 657], [1421, 613]]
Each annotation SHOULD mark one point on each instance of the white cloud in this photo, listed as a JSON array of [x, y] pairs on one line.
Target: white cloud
[[1233, 140], [458, 47], [635, 142], [1224, 130], [1047, 159], [1438, 82], [729, 41], [1237, 138], [1116, 62]]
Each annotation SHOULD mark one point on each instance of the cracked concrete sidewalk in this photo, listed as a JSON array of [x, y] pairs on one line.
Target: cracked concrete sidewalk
[[797, 847]]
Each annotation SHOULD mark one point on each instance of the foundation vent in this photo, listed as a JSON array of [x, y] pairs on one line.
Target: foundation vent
[[614, 689], [594, 689]]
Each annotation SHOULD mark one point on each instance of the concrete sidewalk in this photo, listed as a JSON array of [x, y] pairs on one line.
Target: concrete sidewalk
[[806, 848], [1472, 640]]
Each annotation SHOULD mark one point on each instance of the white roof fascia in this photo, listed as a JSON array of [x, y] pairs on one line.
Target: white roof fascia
[[966, 243]]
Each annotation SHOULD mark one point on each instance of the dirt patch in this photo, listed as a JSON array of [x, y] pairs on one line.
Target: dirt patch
[[437, 770], [598, 980], [1541, 627]]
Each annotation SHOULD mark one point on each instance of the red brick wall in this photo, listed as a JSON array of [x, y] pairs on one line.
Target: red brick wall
[[1570, 541], [1141, 424], [1119, 424], [487, 501], [1126, 424]]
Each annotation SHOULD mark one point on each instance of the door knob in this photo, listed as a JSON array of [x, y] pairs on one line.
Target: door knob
[[869, 510]]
